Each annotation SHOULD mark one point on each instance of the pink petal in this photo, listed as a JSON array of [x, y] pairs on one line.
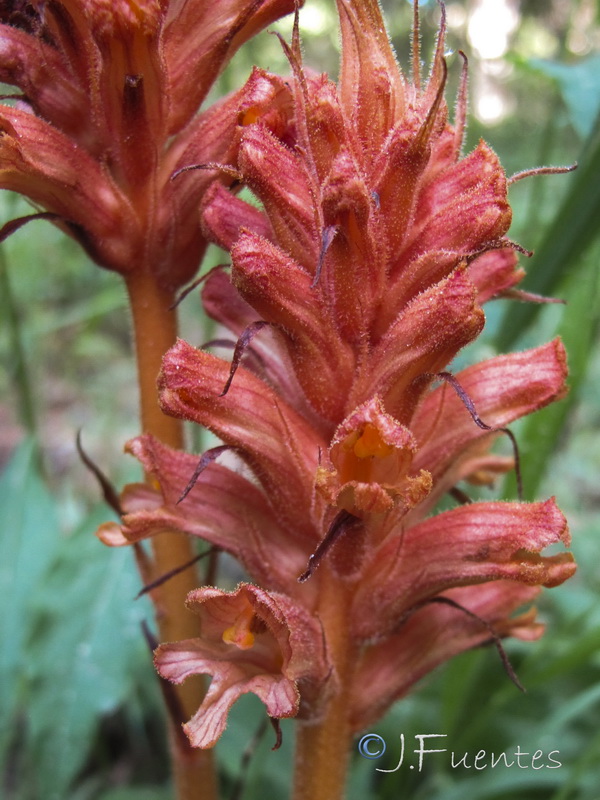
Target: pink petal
[[224, 215], [357, 255], [40, 72], [281, 292], [223, 508], [223, 303], [40, 162], [252, 418], [207, 37], [263, 160], [423, 339], [369, 465], [464, 207], [371, 89], [502, 389], [433, 635], [494, 272], [468, 545]]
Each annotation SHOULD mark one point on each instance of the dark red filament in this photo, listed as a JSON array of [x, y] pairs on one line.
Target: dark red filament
[[498, 244], [226, 168], [494, 638], [470, 406], [172, 702], [173, 572], [526, 297], [250, 751], [342, 523], [528, 173], [240, 348], [460, 496], [207, 458], [14, 224], [109, 492], [194, 285]]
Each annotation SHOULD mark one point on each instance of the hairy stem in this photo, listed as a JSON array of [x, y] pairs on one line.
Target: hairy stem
[[323, 749], [155, 330]]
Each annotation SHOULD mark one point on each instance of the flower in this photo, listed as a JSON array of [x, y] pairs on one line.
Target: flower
[[370, 458], [252, 641], [107, 114], [367, 269]]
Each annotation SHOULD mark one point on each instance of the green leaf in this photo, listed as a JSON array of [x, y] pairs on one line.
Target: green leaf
[[572, 231], [19, 369], [268, 771], [87, 653], [580, 87], [578, 329], [585, 770], [139, 793], [28, 541]]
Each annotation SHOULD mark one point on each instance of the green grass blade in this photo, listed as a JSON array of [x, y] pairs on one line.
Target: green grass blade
[[28, 540], [20, 377], [572, 231], [541, 432]]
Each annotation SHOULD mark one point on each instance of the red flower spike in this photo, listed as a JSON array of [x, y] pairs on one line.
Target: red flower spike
[[111, 90], [376, 246]]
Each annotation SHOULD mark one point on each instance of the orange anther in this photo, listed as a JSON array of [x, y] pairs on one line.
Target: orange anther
[[239, 633]]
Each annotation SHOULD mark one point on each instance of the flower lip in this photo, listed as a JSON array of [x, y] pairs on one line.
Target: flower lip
[[243, 631], [252, 641], [369, 462]]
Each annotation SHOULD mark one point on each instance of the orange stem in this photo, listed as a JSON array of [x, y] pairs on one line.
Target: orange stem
[[323, 749], [155, 330]]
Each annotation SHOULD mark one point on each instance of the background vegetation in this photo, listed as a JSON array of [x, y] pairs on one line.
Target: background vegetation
[[81, 716]]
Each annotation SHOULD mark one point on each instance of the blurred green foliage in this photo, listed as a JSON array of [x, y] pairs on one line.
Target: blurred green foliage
[[78, 699]]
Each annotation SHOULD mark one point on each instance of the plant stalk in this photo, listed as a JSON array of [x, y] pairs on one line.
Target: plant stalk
[[323, 748], [155, 331]]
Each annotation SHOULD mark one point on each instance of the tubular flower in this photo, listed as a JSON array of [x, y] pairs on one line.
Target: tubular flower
[[350, 294], [107, 114], [252, 641]]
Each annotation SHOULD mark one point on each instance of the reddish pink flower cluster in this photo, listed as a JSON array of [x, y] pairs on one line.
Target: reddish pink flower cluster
[[366, 268], [108, 112]]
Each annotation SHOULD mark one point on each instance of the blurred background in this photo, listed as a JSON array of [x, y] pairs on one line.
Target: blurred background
[[81, 716]]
